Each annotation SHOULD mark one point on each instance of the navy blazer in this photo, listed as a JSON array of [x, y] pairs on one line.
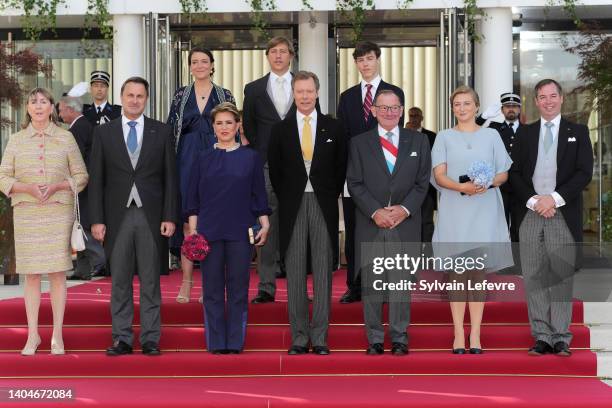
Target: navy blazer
[[350, 109]]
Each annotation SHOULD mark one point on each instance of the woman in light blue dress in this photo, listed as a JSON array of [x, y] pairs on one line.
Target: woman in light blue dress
[[471, 221]]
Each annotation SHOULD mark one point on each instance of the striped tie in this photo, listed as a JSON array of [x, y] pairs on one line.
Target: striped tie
[[389, 150], [367, 103]]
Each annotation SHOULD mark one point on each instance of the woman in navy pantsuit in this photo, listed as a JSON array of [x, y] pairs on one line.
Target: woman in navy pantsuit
[[226, 196]]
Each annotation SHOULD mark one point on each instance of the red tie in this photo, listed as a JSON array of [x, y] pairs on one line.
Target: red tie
[[367, 103]]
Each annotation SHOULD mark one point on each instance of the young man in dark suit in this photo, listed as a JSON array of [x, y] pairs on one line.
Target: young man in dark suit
[[266, 102], [307, 158], [552, 165], [133, 203], [355, 112], [101, 110], [91, 261]]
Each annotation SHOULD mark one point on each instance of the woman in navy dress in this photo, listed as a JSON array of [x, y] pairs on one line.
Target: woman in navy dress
[[193, 131], [227, 196]]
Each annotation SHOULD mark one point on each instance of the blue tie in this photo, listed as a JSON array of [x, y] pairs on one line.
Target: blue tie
[[132, 140]]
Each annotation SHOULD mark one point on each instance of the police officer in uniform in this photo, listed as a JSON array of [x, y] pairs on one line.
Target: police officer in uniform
[[101, 111], [510, 105]]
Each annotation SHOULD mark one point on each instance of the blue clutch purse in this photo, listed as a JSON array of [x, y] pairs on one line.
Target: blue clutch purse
[[253, 231]]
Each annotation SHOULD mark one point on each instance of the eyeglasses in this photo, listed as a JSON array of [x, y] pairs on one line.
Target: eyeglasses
[[385, 108]]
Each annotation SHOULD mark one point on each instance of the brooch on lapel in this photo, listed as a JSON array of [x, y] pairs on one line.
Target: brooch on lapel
[[413, 154], [328, 141], [571, 139]]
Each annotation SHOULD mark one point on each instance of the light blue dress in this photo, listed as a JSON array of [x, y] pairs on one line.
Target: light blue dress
[[471, 225]]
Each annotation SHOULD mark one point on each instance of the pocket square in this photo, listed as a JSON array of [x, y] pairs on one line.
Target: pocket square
[[413, 154], [328, 141], [571, 139]]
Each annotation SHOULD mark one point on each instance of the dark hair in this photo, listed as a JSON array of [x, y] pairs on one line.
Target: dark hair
[[387, 92], [365, 47], [136, 80], [225, 107], [545, 82], [279, 40], [203, 51], [416, 108], [303, 76]]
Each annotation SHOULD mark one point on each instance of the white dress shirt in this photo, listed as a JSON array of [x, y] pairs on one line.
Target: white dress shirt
[[101, 106], [139, 128], [559, 201], [287, 85], [375, 82], [383, 133]]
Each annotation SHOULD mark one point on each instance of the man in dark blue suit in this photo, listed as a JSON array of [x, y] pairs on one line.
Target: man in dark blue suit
[[355, 112]]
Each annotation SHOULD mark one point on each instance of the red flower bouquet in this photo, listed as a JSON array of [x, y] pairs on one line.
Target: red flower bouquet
[[195, 247]]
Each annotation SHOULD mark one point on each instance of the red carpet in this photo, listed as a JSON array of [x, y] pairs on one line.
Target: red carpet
[[266, 376]]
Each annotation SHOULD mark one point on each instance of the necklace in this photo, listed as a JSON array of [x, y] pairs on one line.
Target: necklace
[[468, 144]]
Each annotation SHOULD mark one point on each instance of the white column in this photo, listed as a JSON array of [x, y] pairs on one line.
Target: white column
[[493, 56], [313, 50], [128, 50]]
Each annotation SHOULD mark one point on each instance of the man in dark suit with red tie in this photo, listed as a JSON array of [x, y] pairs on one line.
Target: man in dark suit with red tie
[[355, 112], [307, 158], [552, 165]]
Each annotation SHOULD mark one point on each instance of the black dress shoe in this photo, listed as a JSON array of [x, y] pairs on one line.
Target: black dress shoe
[[320, 350], [233, 351], [150, 349], [350, 296], [78, 277], [263, 297], [219, 351], [100, 272], [561, 349], [459, 351], [375, 349], [399, 349], [119, 348], [296, 350], [475, 350], [540, 347]]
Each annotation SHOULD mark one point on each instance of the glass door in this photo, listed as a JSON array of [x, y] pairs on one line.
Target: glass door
[[455, 55]]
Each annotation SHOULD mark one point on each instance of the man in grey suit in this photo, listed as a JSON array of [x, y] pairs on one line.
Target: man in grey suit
[[133, 206], [388, 177]]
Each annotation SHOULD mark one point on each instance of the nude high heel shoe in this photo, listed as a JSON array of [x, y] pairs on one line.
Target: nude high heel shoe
[[57, 348], [181, 298], [30, 348]]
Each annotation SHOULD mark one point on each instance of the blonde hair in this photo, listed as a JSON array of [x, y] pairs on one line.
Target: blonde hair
[[42, 91], [463, 89], [225, 107]]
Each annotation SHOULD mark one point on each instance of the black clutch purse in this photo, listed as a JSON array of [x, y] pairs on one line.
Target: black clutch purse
[[253, 231]]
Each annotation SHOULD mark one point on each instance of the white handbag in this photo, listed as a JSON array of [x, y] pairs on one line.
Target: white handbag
[[78, 237]]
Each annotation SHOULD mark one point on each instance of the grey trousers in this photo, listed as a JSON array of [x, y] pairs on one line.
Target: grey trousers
[[135, 249], [92, 259], [548, 260], [268, 257], [387, 244], [309, 223]]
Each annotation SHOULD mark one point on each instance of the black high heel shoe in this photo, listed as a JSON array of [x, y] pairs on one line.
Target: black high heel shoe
[[459, 351], [474, 350]]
